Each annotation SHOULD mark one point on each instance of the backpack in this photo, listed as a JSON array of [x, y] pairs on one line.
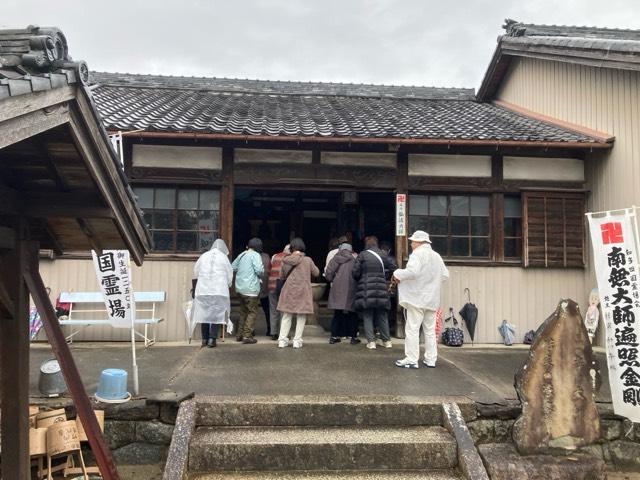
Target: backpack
[[529, 337]]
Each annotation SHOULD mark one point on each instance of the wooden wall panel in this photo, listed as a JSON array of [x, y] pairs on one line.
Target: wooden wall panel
[[525, 297]]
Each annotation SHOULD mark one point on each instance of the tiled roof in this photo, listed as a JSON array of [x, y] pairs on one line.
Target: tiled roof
[[278, 87], [164, 106], [518, 29], [607, 40], [34, 59]]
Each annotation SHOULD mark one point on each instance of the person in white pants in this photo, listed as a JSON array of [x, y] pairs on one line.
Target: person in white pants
[[419, 294]]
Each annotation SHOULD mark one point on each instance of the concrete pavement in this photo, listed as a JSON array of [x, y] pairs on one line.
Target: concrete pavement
[[484, 375]]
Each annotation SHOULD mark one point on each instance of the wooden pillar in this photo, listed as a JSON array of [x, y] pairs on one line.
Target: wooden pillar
[[70, 372], [14, 363], [227, 198], [402, 187]]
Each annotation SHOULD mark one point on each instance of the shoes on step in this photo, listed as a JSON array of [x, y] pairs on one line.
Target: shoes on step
[[405, 363], [274, 337], [429, 364], [239, 338], [355, 341], [333, 340], [384, 344], [249, 340], [283, 344], [371, 345], [212, 343], [297, 344]]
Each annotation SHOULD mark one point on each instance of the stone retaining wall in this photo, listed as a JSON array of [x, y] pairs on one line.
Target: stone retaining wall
[[619, 443]]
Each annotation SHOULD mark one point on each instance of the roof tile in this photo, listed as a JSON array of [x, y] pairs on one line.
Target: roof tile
[[189, 110]]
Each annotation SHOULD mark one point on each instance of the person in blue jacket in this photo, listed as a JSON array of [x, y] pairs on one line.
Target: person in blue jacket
[[249, 272]]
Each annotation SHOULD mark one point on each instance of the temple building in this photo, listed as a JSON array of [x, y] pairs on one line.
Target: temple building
[[501, 179]]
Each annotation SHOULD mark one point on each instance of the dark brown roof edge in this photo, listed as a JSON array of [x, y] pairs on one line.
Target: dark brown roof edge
[[388, 140], [601, 137], [496, 70]]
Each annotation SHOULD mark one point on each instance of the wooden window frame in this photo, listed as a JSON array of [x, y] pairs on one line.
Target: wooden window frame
[[528, 259], [174, 230], [449, 236]]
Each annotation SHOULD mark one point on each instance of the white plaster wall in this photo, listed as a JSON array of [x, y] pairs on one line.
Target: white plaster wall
[[535, 168], [357, 159], [170, 156], [432, 165], [250, 155]]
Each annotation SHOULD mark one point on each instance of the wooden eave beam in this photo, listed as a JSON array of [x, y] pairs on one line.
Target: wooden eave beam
[[88, 137], [19, 105], [53, 204], [52, 168], [57, 246], [31, 124], [90, 234]]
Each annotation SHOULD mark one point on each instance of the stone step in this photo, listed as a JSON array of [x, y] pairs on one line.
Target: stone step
[[321, 448], [329, 475], [326, 410]]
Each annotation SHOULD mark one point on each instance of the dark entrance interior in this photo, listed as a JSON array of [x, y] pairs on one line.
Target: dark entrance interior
[[276, 216]]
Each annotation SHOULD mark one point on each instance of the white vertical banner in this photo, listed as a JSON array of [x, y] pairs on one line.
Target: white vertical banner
[[114, 277], [401, 215], [615, 251]]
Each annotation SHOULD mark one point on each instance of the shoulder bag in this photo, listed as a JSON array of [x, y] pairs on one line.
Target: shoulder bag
[[281, 281]]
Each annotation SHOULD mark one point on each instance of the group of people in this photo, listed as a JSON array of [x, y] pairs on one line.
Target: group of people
[[360, 285]]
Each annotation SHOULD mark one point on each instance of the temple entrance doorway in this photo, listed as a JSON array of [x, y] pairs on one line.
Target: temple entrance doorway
[[319, 217]]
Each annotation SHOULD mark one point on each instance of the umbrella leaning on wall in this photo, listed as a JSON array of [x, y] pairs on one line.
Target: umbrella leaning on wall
[[469, 314]]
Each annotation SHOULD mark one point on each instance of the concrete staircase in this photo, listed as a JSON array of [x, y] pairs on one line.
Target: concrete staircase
[[321, 438]]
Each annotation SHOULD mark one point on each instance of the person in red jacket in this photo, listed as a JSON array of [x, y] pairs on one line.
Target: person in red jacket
[[274, 275]]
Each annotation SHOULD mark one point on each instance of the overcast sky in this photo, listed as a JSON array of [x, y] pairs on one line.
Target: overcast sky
[[446, 43]]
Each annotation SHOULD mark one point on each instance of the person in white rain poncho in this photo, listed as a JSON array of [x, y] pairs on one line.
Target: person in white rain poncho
[[419, 293], [211, 303]]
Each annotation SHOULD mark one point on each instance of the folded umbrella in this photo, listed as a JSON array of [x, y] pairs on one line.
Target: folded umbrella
[[469, 314]]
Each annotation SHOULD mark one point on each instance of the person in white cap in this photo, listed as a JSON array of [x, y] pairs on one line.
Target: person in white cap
[[419, 294]]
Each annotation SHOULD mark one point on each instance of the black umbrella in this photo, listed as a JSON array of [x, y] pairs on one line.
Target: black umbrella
[[469, 314]]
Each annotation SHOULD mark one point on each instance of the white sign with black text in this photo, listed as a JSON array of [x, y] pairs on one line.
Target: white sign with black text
[[114, 277], [401, 215], [615, 249]]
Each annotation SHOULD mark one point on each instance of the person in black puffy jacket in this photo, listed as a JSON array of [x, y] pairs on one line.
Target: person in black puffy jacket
[[371, 271]]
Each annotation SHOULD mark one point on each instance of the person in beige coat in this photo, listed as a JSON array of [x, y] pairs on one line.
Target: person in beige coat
[[296, 297]]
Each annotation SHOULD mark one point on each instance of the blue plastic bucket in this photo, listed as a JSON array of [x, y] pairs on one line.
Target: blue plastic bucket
[[113, 384]]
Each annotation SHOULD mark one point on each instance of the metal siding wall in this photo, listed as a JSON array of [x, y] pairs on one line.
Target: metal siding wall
[[525, 297], [172, 277], [603, 99]]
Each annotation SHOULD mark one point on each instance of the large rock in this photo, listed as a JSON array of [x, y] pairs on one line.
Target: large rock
[[504, 463], [555, 387]]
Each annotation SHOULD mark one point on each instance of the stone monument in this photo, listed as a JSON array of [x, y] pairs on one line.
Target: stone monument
[[555, 387]]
